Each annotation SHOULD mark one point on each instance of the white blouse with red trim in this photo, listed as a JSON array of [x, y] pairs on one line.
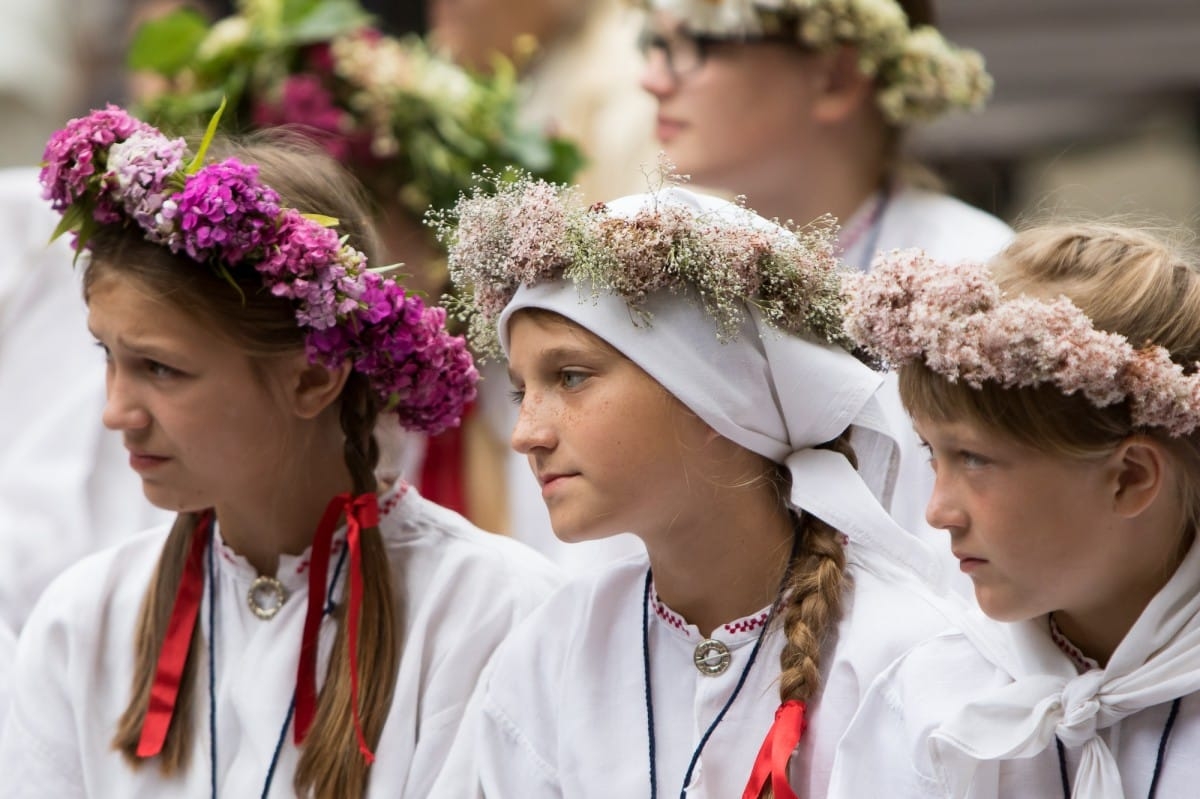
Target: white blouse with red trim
[[461, 590], [562, 712]]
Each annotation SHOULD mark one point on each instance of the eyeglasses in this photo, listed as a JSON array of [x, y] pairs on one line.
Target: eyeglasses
[[683, 52]]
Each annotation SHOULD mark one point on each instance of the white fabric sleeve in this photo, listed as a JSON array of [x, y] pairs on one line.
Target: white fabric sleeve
[[508, 762], [875, 755], [8, 645], [454, 671], [492, 755], [38, 755]]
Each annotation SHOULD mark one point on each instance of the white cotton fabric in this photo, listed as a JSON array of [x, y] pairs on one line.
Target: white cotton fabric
[[8, 649], [561, 712], [947, 229], [66, 488], [460, 590], [975, 715]]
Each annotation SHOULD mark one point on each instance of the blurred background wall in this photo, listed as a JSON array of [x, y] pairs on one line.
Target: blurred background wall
[[1096, 108]]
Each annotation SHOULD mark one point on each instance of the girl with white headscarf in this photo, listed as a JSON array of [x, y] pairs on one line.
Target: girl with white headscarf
[[1057, 391], [681, 375]]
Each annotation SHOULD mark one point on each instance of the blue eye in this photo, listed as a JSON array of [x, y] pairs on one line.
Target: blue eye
[[572, 379], [972, 459], [161, 369]]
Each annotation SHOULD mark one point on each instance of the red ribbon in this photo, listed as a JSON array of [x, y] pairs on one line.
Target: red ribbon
[[772, 761], [362, 512], [173, 656]]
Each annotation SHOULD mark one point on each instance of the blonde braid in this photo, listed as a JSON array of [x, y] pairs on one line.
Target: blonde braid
[[813, 592]]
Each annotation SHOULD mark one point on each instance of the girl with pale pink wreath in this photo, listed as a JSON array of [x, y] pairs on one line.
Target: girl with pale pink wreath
[[1058, 395], [681, 374], [298, 622]]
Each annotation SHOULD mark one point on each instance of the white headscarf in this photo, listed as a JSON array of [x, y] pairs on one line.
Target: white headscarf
[[1157, 661], [774, 393]]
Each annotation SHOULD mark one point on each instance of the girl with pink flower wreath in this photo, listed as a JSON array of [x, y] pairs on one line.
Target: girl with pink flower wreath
[[290, 627], [1057, 391]]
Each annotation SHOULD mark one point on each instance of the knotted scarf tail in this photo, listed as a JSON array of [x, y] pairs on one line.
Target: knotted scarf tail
[[362, 512], [172, 658], [772, 760]]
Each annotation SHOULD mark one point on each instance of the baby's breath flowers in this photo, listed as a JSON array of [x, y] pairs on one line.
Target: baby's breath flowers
[[513, 230], [956, 320], [919, 75]]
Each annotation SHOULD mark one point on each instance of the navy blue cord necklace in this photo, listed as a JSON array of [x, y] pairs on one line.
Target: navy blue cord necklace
[[687, 777], [1158, 760], [330, 604]]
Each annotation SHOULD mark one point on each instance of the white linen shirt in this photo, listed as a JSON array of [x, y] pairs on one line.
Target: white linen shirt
[[562, 710], [460, 589], [8, 646], [886, 750]]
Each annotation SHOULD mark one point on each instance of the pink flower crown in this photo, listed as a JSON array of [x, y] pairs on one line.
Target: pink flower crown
[[956, 319], [109, 168]]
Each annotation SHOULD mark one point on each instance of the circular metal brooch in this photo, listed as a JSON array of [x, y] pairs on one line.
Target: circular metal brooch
[[265, 597], [711, 657]]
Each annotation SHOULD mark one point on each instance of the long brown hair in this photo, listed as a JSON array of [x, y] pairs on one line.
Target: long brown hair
[[262, 325]]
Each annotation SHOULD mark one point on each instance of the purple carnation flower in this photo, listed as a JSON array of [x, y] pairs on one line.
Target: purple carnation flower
[[225, 214]]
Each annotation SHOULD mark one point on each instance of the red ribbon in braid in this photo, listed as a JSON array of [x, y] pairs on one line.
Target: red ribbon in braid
[[772, 761], [362, 512]]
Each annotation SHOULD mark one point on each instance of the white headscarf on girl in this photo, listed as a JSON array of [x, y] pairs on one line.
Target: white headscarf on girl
[[776, 394]]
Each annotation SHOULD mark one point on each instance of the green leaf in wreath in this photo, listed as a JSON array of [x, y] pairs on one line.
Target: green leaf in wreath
[[72, 219], [167, 44], [202, 150], [324, 21], [322, 219]]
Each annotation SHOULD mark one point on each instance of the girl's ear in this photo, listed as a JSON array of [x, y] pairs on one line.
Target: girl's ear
[[1139, 475], [316, 387], [842, 88]]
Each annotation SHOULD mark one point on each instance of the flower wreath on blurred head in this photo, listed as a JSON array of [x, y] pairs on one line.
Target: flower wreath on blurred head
[[409, 123], [918, 74]]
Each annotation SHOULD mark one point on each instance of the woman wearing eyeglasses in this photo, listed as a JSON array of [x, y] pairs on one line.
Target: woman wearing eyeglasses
[[801, 106]]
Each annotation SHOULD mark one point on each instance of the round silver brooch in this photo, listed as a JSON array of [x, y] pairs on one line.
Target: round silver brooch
[[266, 597], [711, 657]]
